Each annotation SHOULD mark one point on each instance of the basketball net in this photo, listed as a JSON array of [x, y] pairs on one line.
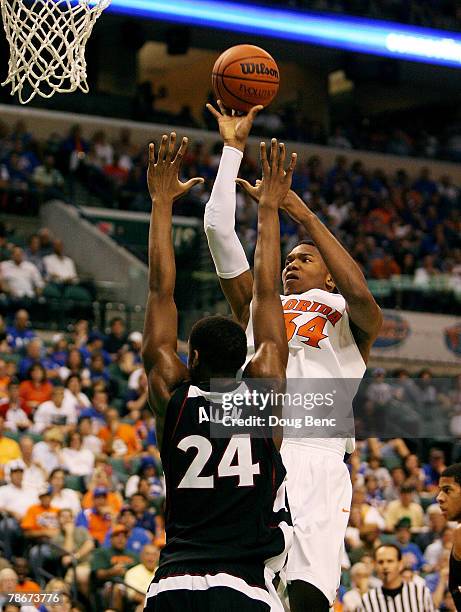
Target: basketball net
[[47, 41]]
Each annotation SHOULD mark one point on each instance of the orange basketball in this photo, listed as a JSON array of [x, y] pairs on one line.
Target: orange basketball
[[244, 76]]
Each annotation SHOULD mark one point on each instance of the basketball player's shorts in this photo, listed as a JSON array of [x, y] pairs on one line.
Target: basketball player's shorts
[[319, 492], [229, 588]]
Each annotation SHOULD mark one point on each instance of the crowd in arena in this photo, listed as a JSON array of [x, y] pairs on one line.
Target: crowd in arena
[[83, 492], [394, 226], [82, 488]]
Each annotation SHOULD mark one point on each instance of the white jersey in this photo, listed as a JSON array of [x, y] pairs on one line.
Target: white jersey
[[321, 345]]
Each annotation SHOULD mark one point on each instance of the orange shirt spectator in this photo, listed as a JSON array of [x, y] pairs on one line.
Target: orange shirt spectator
[[34, 394], [28, 586], [42, 518], [384, 268], [120, 439], [114, 501], [99, 518]]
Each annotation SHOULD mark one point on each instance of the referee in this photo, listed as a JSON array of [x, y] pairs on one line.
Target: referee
[[395, 595], [449, 499]]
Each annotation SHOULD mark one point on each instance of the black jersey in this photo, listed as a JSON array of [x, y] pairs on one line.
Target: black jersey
[[454, 581], [225, 498]]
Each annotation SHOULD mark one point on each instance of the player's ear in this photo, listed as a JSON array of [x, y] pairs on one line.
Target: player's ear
[[193, 358], [330, 283]]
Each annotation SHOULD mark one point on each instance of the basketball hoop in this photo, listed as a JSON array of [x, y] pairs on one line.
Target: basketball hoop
[[47, 41]]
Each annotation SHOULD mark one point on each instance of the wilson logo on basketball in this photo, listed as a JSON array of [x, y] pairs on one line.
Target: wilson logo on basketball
[[261, 69]]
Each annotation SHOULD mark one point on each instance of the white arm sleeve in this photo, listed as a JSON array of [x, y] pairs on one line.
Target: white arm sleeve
[[219, 220]]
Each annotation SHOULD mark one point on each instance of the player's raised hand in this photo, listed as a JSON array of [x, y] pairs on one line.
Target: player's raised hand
[[276, 180], [254, 191], [163, 172], [233, 128]]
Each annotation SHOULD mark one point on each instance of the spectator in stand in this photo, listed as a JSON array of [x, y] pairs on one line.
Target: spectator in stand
[[360, 579], [47, 179], [99, 372], [103, 150], [46, 241], [135, 340], [97, 411], [147, 469], [137, 398], [59, 268], [384, 268], [75, 367], [34, 474], [20, 334], [33, 253], [77, 460], [392, 491], [15, 500], [8, 584], [404, 507], [36, 389], [21, 280], [61, 496], [433, 469], [138, 537], [148, 518], [435, 550], [5, 379], [109, 564], [414, 472], [99, 518], [56, 412], [95, 345], [411, 553], [25, 584], [117, 337], [77, 545], [370, 538], [102, 480], [9, 449], [48, 453], [14, 410], [339, 140], [90, 442], [73, 149], [40, 520], [139, 577], [428, 271], [120, 439], [35, 355], [60, 349]]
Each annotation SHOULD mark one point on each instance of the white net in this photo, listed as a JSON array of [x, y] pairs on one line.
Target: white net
[[47, 41]]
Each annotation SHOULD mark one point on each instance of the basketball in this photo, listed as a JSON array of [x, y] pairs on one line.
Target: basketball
[[244, 76]]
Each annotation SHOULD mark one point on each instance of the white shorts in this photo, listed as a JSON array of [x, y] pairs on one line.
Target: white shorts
[[319, 493]]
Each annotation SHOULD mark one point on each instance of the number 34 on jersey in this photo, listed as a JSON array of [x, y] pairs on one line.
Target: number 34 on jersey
[[312, 331]]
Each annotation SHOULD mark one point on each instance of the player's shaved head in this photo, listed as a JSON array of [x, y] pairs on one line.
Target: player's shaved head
[[218, 346], [305, 269]]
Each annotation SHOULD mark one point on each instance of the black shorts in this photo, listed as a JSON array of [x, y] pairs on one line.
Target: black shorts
[[183, 589]]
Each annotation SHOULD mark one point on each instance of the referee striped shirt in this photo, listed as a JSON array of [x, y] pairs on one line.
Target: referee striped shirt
[[413, 597]]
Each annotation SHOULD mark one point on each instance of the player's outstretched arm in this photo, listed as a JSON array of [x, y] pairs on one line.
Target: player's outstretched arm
[[219, 221], [271, 347], [364, 312], [164, 369]]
